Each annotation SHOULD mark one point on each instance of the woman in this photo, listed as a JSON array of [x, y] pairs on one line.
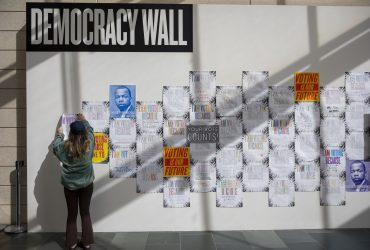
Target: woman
[[77, 177]]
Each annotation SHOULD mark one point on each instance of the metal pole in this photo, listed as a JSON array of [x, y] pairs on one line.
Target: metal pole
[[17, 228]]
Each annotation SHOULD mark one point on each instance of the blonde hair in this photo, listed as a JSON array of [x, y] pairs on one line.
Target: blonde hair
[[77, 145]]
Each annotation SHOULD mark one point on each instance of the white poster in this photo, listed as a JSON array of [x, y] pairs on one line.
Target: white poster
[[149, 147], [202, 86], [358, 146], [281, 162], [229, 163], [355, 114], [174, 132], [307, 176], [255, 147], [332, 131], [176, 101], [203, 151], [256, 117], [229, 100], [281, 101], [122, 130], [203, 177], [203, 114], [357, 86], [332, 162], [97, 113], [281, 132], [149, 178], [230, 131], [176, 192], [332, 101], [229, 193], [255, 85], [122, 160], [281, 192], [307, 146], [66, 120], [332, 192], [307, 116], [255, 177], [149, 117]]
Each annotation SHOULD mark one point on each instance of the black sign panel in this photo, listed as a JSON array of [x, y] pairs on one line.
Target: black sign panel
[[202, 133], [109, 27]]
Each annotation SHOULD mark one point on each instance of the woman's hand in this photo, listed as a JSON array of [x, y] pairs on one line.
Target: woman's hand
[[81, 117], [60, 130]]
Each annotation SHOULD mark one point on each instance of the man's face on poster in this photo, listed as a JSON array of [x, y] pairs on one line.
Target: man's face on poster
[[122, 98], [358, 173]]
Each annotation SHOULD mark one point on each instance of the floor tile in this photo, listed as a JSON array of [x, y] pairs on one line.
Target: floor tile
[[233, 247], [305, 246], [264, 239], [162, 247], [163, 238], [229, 237], [197, 242], [294, 236]]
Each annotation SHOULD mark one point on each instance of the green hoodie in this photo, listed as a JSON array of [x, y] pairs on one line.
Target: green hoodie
[[76, 173]]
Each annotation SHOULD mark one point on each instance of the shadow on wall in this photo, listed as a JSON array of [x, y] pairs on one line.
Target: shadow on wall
[[341, 54]]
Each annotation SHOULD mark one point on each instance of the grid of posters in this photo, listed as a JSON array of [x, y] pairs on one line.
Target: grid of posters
[[281, 139], [332, 155], [149, 144], [255, 131], [122, 131], [229, 160]]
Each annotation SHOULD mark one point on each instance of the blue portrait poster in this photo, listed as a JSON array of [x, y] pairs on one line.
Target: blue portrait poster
[[357, 176], [122, 101]]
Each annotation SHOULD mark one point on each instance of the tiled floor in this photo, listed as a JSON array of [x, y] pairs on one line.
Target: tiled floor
[[351, 239]]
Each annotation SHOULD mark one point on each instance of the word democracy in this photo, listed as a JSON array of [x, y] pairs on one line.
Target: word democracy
[[95, 26]]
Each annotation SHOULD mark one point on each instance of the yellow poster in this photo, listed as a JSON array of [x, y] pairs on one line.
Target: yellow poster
[[307, 86], [176, 161], [101, 150]]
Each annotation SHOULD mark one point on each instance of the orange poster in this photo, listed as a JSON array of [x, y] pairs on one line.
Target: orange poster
[[101, 150], [307, 86], [176, 161]]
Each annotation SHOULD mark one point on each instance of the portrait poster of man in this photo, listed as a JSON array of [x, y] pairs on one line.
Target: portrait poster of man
[[357, 176], [122, 101]]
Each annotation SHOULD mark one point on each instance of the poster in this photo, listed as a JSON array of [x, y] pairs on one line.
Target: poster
[[332, 162], [332, 192], [357, 86], [255, 177], [122, 130], [231, 131], [256, 117], [229, 193], [203, 151], [281, 132], [97, 113], [229, 100], [229, 163], [122, 160], [149, 117], [355, 114], [307, 176], [332, 101], [176, 101], [358, 176], [255, 86], [281, 162], [122, 101], [332, 131], [101, 149], [307, 116], [307, 146], [255, 147], [203, 177], [202, 133], [149, 148], [307, 86], [176, 161], [66, 120], [281, 192], [149, 178], [176, 192], [203, 113], [358, 146], [281, 102], [202, 86], [174, 132]]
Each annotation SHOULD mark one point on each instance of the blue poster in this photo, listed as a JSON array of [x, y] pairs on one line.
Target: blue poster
[[357, 176], [122, 101]]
